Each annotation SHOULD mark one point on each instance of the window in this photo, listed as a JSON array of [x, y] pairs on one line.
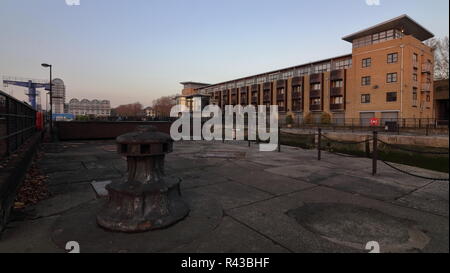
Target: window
[[415, 58], [315, 102], [343, 64], [365, 98], [337, 100], [392, 58], [296, 89], [414, 95], [280, 91], [319, 68], [296, 105], [315, 86], [366, 62], [428, 98], [365, 81], [415, 77], [391, 96], [391, 77], [337, 83]]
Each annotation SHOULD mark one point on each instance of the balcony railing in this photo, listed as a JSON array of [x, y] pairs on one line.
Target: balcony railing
[[426, 87], [427, 68], [315, 93], [315, 107], [336, 91], [280, 97], [336, 106], [297, 109], [296, 95]]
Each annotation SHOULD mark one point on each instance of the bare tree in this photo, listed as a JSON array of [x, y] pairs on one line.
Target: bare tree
[[129, 110], [162, 105], [441, 57]]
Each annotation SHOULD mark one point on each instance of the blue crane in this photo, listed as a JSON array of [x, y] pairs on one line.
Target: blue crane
[[31, 84]]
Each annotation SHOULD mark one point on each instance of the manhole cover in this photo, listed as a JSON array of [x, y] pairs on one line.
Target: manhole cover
[[355, 226]]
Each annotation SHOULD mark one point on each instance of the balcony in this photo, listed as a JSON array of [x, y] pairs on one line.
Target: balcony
[[336, 107], [337, 75], [296, 95], [427, 68], [297, 109], [315, 94], [297, 81], [315, 107], [315, 78], [281, 109], [426, 87], [336, 91], [280, 97]]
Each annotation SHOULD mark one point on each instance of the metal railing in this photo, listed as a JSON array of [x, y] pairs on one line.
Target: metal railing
[[373, 153], [365, 123], [17, 123]]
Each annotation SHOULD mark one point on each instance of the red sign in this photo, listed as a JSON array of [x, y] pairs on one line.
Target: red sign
[[374, 122]]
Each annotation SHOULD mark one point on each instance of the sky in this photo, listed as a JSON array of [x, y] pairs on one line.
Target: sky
[[138, 50]]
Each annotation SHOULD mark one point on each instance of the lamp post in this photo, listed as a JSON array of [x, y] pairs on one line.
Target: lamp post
[[51, 99]]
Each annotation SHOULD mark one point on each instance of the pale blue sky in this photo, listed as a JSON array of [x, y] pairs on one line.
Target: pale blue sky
[[138, 50]]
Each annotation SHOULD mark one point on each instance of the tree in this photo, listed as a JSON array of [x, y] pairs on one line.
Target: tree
[[163, 105], [441, 57], [129, 110]]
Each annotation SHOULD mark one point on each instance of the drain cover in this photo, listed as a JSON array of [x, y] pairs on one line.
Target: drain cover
[[355, 226]]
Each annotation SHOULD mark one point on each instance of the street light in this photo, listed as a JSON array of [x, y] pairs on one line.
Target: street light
[[51, 99]]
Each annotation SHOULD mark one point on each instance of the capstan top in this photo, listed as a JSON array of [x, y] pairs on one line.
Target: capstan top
[[144, 142]]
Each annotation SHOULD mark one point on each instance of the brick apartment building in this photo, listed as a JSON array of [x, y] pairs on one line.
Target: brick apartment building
[[388, 75]]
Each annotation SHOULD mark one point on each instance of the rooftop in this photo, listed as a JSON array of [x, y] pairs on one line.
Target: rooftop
[[403, 22]]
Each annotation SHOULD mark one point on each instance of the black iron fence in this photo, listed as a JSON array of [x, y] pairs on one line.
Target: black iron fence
[[372, 145], [17, 123], [416, 123]]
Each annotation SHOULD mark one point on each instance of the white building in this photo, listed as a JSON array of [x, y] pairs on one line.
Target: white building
[[59, 96], [85, 107]]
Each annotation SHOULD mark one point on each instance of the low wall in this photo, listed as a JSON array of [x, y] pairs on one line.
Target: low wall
[[79, 130], [13, 174]]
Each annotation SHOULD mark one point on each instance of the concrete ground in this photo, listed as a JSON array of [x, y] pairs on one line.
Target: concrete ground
[[241, 200]]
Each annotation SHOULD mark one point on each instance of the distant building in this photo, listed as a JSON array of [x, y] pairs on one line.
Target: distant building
[[59, 96], [441, 96], [100, 108], [150, 112]]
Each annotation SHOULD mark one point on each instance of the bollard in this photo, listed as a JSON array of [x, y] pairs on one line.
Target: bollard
[[319, 136], [147, 199], [375, 153]]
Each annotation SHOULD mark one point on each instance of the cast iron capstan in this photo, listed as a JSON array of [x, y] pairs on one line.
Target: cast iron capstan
[[147, 199]]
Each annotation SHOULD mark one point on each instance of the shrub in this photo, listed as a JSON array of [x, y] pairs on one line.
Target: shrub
[[325, 118]]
